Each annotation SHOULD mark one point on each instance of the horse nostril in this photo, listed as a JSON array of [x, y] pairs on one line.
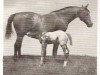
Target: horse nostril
[[91, 24]]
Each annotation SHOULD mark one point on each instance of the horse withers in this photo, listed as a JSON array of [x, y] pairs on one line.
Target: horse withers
[[24, 22], [57, 37]]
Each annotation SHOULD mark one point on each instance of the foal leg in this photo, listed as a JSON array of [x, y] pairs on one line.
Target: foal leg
[[66, 54], [43, 53], [17, 46], [55, 48]]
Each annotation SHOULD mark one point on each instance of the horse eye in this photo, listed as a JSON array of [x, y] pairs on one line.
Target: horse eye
[[85, 14]]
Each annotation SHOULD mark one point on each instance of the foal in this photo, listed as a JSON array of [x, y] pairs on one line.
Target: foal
[[56, 37]]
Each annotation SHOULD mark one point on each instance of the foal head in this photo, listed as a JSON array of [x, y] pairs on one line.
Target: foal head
[[84, 15]]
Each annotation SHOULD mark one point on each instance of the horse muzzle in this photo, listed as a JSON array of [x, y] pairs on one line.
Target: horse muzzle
[[90, 25]]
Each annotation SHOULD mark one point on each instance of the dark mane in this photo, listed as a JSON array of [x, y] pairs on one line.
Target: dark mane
[[64, 8]]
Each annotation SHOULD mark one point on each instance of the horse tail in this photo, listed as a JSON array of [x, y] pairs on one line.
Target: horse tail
[[70, 38], [9, 27]]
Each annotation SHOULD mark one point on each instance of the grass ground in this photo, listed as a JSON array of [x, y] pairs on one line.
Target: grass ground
[[29, 65]]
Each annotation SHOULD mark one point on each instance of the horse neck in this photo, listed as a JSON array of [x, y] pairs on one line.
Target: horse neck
[[69, 14]]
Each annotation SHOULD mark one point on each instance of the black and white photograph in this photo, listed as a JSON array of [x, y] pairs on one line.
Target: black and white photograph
[[50, 37]]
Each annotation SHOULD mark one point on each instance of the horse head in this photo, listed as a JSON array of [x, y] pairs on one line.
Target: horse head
[[84, 15]]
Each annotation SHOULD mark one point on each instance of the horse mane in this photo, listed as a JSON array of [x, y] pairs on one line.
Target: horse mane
[[64, 8]]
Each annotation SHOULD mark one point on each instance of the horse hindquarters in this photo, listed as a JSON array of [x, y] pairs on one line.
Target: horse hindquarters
[[18, 42], [22, 24]]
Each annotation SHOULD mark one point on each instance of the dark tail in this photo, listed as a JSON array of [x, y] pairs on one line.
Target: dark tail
[[9, 27], [70, 38]]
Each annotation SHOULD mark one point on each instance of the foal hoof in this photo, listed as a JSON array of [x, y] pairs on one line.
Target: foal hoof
[[65, 63], [41, 64]]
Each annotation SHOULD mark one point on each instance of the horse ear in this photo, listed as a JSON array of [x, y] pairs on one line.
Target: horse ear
[[86, 5], [82, 5]]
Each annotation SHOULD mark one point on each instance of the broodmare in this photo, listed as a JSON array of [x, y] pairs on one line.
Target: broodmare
[[24, 22]]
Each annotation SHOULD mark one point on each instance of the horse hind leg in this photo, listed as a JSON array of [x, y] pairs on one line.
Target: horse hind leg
[[17, 46]]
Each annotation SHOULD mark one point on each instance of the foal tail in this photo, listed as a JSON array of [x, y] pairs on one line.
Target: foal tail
[[70, 38], [9, 27]]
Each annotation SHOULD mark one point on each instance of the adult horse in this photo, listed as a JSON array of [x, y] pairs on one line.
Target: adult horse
[[24, 22]]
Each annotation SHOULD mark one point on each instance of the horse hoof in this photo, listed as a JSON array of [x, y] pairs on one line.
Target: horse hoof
[[15, 59], [54, 56], [15, 56], [19, 56]]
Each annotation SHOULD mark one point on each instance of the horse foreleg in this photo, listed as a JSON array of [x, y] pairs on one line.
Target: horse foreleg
[[43, 53], [17, 46], [55, 48], [66, 54]]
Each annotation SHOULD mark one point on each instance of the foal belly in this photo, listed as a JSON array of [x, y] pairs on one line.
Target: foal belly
[[51, 42]]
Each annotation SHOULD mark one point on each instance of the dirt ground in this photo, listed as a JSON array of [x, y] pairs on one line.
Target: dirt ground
[[29, 65]]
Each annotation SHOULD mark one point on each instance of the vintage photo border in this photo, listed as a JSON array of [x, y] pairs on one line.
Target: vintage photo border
[[2, 37], [98, 39]]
